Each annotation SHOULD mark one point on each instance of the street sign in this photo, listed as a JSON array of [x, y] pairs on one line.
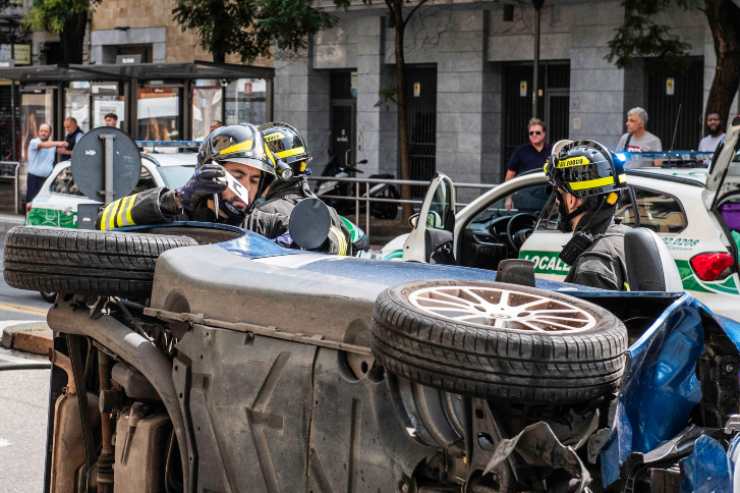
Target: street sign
[[106, 164]]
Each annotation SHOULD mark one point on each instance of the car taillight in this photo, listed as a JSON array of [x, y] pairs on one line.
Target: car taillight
[[712, 266]]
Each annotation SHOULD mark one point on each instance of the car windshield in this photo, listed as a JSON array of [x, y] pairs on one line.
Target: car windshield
[[175, 176]]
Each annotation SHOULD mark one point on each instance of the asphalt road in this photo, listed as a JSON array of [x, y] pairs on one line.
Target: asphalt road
[[23, 401]]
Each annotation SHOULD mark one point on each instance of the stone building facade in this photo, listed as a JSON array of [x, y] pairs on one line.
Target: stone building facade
[[479, 56]]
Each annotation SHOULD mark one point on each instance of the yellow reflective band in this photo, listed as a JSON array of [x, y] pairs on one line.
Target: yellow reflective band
[[241, 146], [129, 216], [121, 211], [291, 152], [114, 213], [573, 161], [274, 136], [104, 218], [589, 184], [544, 168]]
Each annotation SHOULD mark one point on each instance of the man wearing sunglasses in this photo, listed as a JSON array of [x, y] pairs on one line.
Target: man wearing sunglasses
[[528, 157]]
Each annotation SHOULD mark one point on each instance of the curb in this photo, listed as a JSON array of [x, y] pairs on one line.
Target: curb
[[29, 337], [8, 221]]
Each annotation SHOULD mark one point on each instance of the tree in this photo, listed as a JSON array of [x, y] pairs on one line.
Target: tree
[[68, 18], [400, 21], [640, 35], [250, 27]]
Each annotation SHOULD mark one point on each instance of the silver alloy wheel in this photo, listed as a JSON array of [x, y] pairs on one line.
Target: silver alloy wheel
[[502, 308]]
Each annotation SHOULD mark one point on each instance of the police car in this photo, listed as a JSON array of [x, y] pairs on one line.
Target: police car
[[57, 202], [695, 210]]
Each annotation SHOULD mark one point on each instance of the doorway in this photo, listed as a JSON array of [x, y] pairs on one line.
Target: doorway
[[553, 103], [343, 118], [421, 94], [674, 102]]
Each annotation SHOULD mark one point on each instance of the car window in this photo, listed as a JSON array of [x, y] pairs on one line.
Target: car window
[[175, 176], [146, 181], [64, 183], [532, 199], [658, 211]]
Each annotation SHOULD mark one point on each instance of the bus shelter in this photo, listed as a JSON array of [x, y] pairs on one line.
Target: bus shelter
[[153, 101]]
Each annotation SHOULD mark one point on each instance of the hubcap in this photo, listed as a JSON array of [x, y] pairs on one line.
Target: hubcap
[[501, 308]]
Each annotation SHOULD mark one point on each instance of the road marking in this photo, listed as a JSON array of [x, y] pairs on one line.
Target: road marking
[[4, 442], [12, 307]]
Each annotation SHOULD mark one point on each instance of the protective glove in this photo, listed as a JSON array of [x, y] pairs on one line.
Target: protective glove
[[207, 180]]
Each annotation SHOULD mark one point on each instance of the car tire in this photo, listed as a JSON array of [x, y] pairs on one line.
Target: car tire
[[422, 341], [84, 261]]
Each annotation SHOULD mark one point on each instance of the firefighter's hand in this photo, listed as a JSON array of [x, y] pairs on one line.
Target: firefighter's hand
[[207, 180]]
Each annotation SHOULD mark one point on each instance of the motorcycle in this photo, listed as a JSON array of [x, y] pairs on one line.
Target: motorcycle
[[331, 188]]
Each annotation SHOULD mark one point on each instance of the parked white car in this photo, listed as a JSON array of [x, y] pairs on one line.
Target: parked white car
[[57, 202], [696, 211]]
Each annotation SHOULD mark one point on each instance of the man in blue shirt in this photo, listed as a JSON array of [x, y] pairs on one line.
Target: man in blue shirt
[[527, 157], [41, 153]]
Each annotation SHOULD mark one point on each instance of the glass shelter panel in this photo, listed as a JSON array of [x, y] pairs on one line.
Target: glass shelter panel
[[77, 103], [106, 99], [246, 101], [207, 107], [158, 113], [36, 108]]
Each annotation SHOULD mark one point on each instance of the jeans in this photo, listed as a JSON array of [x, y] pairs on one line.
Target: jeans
[[33, 186]]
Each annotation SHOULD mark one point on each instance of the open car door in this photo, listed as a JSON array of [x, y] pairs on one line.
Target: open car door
[[724, 172], [431, 238]]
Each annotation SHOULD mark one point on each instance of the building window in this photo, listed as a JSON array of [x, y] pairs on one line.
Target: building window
[[207, 107], [158, 113], [246, 101]]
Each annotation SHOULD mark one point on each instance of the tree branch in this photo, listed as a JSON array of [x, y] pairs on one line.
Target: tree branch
[[413, 11]]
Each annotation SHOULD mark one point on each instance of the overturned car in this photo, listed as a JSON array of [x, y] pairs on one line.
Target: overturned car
[[196, 357]]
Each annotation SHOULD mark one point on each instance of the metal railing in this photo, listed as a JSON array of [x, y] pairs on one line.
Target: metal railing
[[360, 189], [9, 172]]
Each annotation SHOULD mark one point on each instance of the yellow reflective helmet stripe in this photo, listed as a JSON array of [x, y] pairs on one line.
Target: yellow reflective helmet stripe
[[572, 162], [595, 183], [241, 146], [274, 136], [291, 152]]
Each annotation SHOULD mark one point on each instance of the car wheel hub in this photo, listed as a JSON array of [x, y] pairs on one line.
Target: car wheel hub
[[501, 308]]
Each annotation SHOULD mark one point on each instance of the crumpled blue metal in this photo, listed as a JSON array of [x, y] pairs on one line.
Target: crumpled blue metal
[[660, 385], [707, 469]]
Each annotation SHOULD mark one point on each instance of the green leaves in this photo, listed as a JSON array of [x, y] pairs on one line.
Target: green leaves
[[52, 15], [250, 27], [641, 36]]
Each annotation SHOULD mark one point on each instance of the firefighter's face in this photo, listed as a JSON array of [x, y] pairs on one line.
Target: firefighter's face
[[248, 176]]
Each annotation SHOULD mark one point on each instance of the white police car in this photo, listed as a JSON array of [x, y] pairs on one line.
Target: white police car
[[696, 211], [57, 202]]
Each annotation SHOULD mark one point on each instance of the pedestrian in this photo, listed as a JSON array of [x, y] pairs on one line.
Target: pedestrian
[[712, 139], [528, 157], [638, 139], [111, 120], [41, 152], [73, 134]]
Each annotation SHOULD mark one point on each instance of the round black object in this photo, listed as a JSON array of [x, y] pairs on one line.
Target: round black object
[[497, 340], [84, 261], [88, 163], [309, 223]]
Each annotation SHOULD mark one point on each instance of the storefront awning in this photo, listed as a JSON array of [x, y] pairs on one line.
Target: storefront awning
[[135, 71]]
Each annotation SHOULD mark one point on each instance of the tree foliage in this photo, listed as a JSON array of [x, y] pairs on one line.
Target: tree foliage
[[640, 35], [68, 18], [250, 27]]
